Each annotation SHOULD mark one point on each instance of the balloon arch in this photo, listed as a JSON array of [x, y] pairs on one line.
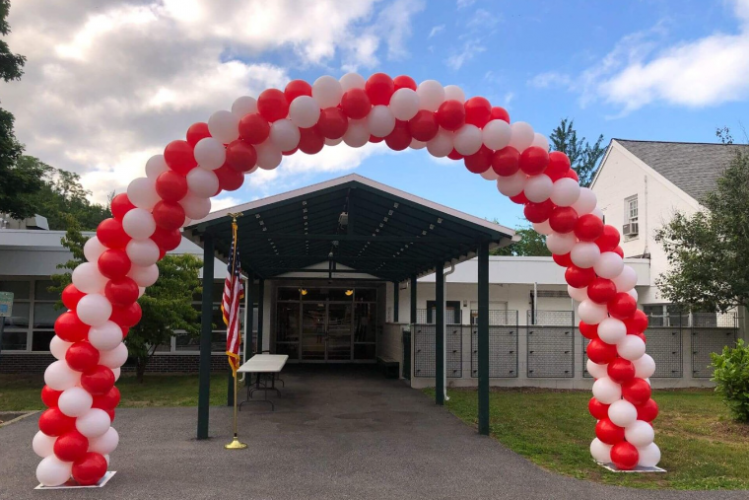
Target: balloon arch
[[76, 436]]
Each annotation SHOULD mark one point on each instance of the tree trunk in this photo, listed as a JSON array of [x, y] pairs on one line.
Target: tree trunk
[[140, 369]]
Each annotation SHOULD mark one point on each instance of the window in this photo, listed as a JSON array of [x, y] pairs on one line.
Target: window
[[32, 325], [452, 312], [631, 217], [667, 315]]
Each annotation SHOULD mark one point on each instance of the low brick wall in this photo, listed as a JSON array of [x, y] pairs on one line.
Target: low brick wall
[[160, 363]]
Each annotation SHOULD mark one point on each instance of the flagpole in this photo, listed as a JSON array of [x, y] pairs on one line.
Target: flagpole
[[235, 444]]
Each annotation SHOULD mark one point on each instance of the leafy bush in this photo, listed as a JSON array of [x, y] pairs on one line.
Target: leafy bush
[[732, 376]]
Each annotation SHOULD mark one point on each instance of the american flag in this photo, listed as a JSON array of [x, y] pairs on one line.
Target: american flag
[[233, 294]]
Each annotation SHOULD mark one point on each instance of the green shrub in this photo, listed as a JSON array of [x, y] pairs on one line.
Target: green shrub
[[731, 373]]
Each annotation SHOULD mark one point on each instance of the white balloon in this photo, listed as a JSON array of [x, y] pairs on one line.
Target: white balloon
[[210, 153], [404, 104], [195, 207], [490, 175], [75, 401], [223, 126], [538, 188], [522, 135], [622, 413], [585, 254], [496, 134], [59, 376], [144, 275], [106, 443], [418, 145], [357, 133], [609, 265], [596, 370], [52, 471], [106, 457], [143, 252], [333, 142], [607, 391], [327, 91], [560, 244], [105, 337], [586, 201], [141, 291], [431, 95], [116, 372], [600, 451], [650, 455], [626, 280], [512, 185], [542, 227], [139, 224], [631, 347], [455, 93], [441, 144], [269, 155], [591, 313], [304, 112], [87, 278], [142, 193], [202, 183], [43, 445], [352, 81], [468, 140], [565, 192], [380, 121], [114, 358], [93, 423], [58, 347], [244, 105], [639, 433], [94, 309], [579, 294], [644, 366], [598, 213], [540, 141], [633, 293], [155, 166], [284, 134], [93, 248], [612, 330]]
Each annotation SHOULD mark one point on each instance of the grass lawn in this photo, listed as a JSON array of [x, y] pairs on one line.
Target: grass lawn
[[701, 447]]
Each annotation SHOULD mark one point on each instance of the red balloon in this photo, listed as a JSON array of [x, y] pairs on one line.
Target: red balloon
[[647, 411], [272, 105], [601, 290], [572, 175], [169, 215], [111, 235], [332, 123], [578, 277], [538, 212], [114, 264], [619, 251], [71, 296], [70, 328], [520, 198], [609, 239], [558, 165], [563, 260], [98, 380], [197, 132], [638, 323], [533, 160], [121, 292], [563, 219], [50, 396], [598, 410], [423, 126], [589, 227], [451, 115], [621, 370], [229, 179], [622, 306], [478, 111], [71, 446], [296, 88], [89, 469], [167, 239], [379, 88], [82, 356], [500, 113], [600, 352], [400, 138], [240, 156], [373, 139], [642, 336], [608, 432], [311, 141], [126, 316], [107, 401], [506, 161], [179, 156], [120, 205], [481, 161], [404, 82], [111, 415], [53, 422], [287, 153], [454, 155], [355, 103], [171, 186], [624, 455], [637, 391], [588, 331], [253, 128]]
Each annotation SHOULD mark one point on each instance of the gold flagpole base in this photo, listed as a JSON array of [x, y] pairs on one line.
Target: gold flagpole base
[[235, 445]]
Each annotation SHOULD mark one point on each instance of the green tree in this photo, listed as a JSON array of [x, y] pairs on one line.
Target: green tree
[[583, 156], [531, 244], [708, 250], [73, 241]]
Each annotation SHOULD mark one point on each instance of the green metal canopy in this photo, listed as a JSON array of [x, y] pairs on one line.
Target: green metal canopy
[[364, 226]]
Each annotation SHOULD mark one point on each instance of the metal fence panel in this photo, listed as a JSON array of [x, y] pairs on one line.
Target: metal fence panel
[[454, 343], [550, 351], [425, 353], [706, 341], [551, 318], [497, 317], [503, 352], [664, 346]]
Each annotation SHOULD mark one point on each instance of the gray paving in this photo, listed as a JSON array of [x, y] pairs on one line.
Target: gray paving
[[337, 433]]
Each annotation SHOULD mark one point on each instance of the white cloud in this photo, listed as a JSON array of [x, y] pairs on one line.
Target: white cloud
[[436, 30], [550, 79], [468, 51], [462, 4]]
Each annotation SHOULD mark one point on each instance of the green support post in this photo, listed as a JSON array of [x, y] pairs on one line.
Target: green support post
[[249, 317], [206, 332], [260, 311], [413, 300], [396, 299], [483, 336], [439, 344]]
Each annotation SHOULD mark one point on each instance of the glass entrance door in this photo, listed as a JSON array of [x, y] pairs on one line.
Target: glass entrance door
[[313, 331], [339, 332]]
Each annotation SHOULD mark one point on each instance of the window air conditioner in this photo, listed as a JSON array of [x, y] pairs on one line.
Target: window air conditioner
[[630, 229]]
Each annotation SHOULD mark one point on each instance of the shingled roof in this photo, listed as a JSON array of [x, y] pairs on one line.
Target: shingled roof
[[692, 167]]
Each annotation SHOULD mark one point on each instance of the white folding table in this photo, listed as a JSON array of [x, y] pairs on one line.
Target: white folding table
[[264, 364]]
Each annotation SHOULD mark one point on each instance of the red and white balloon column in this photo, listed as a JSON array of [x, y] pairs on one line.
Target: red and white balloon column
[[76, 437]]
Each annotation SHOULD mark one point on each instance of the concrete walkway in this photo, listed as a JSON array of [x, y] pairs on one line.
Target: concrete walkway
[[338, 433]]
